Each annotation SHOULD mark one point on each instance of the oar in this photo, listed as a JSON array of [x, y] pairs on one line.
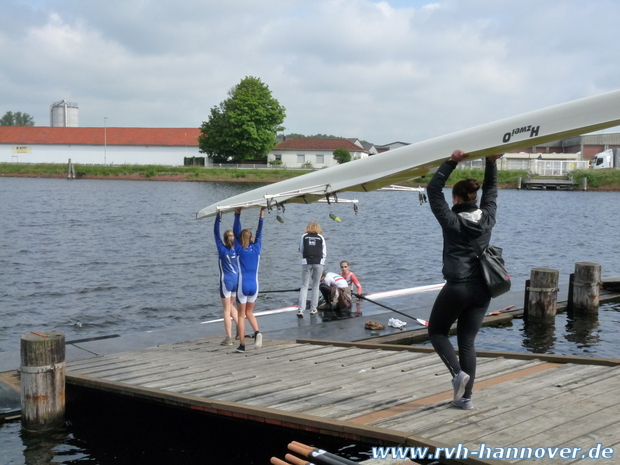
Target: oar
[[279, 290], [296, 460], [320, 456], [419, 320], [497, 312]]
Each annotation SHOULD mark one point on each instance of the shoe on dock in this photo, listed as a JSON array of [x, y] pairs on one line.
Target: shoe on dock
[[396, 323], [228, 341], [373, 325], [458, 383], [300, 313], [241, 349], [465, 404], [314, 311], [258, 340]]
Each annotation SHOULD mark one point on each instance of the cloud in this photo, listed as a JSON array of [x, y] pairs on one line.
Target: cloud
[[377, 70]]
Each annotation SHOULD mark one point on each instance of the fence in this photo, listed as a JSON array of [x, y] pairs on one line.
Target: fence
[[534, 166]]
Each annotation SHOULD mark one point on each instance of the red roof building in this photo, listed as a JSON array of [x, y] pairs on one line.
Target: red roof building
[[99, 145], [312, 153]]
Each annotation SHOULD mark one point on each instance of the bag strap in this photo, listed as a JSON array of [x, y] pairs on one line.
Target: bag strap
[[476, 245]]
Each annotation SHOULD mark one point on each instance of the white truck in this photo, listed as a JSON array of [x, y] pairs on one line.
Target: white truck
[[609, 158]]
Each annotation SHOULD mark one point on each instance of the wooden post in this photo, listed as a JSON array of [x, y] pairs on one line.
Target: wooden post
[[543, 290], [519, 181], [526, 299], [584, 185], [586, 288], [42, 380]]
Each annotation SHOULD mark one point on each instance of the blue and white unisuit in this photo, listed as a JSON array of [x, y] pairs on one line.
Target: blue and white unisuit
[[227, 263], [248, 260]]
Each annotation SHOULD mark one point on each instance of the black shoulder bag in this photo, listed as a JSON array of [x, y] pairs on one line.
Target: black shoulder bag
[[494, 272]]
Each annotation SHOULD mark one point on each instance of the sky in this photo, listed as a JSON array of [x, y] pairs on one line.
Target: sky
[[380, 71]]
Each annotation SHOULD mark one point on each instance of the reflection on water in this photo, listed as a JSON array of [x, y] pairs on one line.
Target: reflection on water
[[583, 331], [539, 336], [117, 431], [594, 336]]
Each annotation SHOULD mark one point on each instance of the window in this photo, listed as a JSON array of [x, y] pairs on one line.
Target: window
[[277, 157], [320, 159], [301, 158]]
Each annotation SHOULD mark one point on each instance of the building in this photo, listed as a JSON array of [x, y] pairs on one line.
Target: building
[[312, 152], [92, 146], [587, 145]]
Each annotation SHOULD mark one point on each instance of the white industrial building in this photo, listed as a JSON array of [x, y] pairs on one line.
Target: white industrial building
[[94, 146]]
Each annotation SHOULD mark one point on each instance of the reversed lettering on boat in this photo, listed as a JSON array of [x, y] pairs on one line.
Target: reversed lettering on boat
[[533, 130]]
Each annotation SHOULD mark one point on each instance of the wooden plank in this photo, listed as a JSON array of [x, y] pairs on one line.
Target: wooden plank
[[487, 403], [523, 419]]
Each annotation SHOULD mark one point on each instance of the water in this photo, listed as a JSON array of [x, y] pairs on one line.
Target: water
[[92, 258], [588, 335]]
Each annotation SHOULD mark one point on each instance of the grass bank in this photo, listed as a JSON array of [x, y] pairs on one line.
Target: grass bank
[[608, 179]]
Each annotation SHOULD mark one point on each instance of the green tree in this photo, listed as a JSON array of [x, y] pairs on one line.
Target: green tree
[[342, 155], [16, 119], [244, 126]]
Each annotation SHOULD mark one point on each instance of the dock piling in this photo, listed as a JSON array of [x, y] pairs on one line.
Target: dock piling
[[543, 291], [586, 288], [42, 380]]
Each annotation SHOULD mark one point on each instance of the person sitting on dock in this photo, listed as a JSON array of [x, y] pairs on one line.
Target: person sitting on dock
[[227, 264], [346, 273], [464, 297], [335, 290], [248, 257]]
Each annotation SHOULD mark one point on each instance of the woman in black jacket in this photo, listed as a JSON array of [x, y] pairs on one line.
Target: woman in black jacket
[[464, 296]]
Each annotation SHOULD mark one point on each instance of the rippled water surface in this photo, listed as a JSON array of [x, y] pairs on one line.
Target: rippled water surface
[[92, 258]]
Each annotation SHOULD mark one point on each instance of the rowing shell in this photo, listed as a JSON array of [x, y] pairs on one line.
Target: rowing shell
[[420, 159]]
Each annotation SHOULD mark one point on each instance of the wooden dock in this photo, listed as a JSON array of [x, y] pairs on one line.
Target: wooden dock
[[556, 183], [377, 393]]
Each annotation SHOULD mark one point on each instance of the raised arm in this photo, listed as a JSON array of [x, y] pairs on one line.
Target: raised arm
[[436, 198], [237, 225], [259, 230], [488, 201]]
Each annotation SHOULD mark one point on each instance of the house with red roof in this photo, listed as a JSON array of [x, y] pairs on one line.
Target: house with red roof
[[312, 152], [141, 146]]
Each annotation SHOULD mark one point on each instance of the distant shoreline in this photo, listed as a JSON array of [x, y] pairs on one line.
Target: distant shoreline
[[272, 178], [129, 177]]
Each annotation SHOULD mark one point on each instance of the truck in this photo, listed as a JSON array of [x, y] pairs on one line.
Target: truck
[[609, 158]]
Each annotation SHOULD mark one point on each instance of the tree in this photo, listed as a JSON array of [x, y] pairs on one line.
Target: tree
[[16, 119], [244, 126], [342, 155]]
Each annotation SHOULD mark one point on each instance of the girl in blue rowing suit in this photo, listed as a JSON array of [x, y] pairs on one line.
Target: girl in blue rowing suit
[[248, 258], [228, 276]]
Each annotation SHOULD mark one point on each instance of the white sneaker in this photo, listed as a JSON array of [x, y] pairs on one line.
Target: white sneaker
[[300, 313], [314, 311], [258, 340], [395, 323]]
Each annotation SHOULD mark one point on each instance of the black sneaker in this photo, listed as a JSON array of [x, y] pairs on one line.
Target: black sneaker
[[241, 348]]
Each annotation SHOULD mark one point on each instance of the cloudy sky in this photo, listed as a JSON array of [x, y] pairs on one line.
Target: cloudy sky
[[382, 71]]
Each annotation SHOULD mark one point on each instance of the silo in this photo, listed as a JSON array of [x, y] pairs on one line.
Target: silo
[[64, 114]]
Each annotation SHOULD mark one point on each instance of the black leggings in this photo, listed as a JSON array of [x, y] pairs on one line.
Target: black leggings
[[466, 302]]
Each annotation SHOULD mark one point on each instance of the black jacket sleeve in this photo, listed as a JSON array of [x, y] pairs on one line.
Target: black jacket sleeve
[[436, 198], [488, 202]]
